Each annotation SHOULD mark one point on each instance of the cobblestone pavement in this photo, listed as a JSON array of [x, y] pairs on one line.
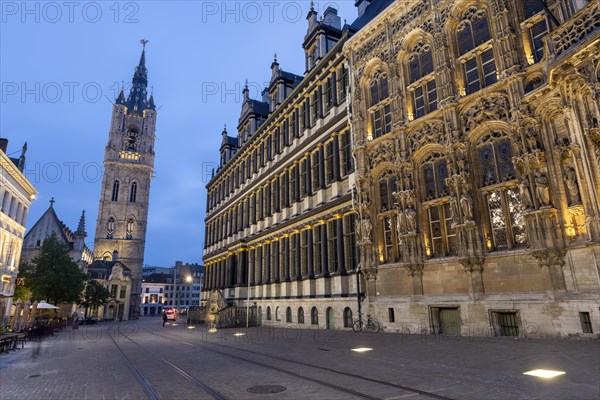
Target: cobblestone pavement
[[143, 360]]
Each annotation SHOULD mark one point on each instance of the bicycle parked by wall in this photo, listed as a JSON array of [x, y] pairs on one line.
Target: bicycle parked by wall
[[370, 325]]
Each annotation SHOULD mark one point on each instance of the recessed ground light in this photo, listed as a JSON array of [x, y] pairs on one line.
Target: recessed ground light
[[544, 373], [212, 330], [362, 349], [191, 327], [239, 334], [174, 324]]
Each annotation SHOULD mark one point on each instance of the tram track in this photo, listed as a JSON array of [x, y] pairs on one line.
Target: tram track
[[149, 389], [335, 371]]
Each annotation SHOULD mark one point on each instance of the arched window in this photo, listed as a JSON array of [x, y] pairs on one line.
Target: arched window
[[115, 191], [300, 315], [379, 105], [288, 315], [347, 317], [133, 192], [268, 313], [474, 44], [387, 216], [129, 230], [130, 140], [441, 236], [277, 317], [110, 228], [536, 25], [422, 80], [314, 316], [502, 200]]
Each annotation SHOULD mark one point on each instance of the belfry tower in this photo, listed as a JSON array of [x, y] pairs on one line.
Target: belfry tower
[[128, 165]]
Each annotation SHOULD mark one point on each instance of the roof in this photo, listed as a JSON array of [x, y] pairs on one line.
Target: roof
[[372, 11], [159, 278], [107, 266]]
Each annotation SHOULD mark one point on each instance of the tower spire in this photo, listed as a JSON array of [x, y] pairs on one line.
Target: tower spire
[[137, 100], [81, 226]]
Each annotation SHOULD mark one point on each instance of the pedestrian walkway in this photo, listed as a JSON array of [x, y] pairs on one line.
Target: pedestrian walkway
[[143, 360]]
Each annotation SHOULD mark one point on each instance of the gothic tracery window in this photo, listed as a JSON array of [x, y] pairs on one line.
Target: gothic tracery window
[[422, 80], [387, 185], [129, 230], [501, 195], [441, 235], [110, 228], [474, 44], [379, 105]]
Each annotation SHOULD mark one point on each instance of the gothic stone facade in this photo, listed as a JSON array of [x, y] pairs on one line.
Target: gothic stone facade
[[477, 139], [279, 221], [128, 165]]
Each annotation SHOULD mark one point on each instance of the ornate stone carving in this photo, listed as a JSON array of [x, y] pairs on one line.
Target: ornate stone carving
[[415, 12], [430, 132], [383, 152], [489, 108], [583, 25], [370, 46]]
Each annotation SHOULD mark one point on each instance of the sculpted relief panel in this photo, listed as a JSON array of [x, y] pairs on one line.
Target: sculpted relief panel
[[488, 108]]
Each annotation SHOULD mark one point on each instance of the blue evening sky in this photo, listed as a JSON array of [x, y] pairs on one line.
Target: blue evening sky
[[61, 64]]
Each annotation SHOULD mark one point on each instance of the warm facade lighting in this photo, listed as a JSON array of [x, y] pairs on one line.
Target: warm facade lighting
[[544, 373]]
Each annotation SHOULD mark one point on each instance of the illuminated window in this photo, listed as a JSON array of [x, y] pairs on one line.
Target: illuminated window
[[503, 203]]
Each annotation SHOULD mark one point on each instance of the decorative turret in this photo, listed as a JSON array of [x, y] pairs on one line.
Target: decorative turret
[[81, 226]]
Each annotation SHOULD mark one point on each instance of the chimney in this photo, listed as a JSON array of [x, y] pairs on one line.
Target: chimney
[[3, 144], [362, 6], [331, 18]]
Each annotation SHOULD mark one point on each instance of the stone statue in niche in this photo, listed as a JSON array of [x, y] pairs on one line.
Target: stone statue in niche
[[573, 188], [542, 189], [411, 219], [526, 199], [454, 210], [466, 205], [365, 229]]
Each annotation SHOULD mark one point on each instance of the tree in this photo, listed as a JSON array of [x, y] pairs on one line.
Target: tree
[[52, 275], [94, 296]]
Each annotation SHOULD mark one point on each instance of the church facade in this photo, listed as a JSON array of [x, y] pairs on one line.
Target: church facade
[[124, 196], [436, 166]]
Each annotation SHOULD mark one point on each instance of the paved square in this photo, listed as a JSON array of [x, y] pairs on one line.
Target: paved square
[[143, 360]]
